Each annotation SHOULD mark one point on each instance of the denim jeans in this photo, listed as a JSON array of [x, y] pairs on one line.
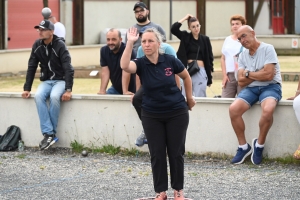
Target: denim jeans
[[48, 114], [112, 90]]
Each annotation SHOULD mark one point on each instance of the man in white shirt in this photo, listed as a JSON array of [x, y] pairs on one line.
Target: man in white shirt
[[59, 28]]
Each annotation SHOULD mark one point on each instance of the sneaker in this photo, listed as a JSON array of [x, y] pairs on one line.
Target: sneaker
[[241, 155], [256, 156], [141, 140], [161, 196], [48, 141], [178, 195]]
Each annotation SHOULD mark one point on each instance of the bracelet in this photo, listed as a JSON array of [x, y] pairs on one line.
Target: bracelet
[[297, 91]]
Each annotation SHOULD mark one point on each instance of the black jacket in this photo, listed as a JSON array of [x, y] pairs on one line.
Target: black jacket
[[185, 38], [58, 67]]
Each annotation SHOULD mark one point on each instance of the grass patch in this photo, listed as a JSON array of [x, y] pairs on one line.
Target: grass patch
[[108, 149], [76, 146], [284, 160], [208, 155], [21, 156]]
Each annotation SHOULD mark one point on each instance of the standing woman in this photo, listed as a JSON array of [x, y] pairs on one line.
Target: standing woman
[[164, 113], [231, 48], [190, 42]]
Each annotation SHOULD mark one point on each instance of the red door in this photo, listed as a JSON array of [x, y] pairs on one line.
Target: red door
[[22, 17], [278, 16]]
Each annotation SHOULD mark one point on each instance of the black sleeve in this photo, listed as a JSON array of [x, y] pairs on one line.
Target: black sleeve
[[65, 60], [175, 30], [32, 66], [210, 54]]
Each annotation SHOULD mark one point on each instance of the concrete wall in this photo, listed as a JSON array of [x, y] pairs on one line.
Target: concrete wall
[[218, 14], [217, 25], [15, 61], [111, 119]]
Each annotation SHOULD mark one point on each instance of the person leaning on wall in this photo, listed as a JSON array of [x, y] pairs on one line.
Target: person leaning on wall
[[230, 51], [259, 75], [57, 75], [296, 106]]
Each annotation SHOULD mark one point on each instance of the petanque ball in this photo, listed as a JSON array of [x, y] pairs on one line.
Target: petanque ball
[[84, 153], [46, 12]]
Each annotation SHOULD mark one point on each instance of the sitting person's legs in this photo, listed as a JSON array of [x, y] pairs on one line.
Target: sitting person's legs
[[296, 106], [137, 104], [245, 99], [53, 90], [112, 90], [269, 97]]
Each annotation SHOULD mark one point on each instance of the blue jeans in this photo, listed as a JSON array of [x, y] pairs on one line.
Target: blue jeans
[[259, 93], [112, 90], [48, 115]]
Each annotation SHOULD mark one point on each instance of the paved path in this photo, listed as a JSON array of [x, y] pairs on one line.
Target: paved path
[[60, 174]]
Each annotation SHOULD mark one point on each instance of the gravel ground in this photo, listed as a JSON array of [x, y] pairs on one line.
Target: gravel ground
[[60, 174]]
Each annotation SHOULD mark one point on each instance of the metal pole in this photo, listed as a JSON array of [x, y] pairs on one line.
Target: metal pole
[[170, 18]]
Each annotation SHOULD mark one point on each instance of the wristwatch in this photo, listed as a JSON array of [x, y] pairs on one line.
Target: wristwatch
[[68, 90], [247, 74]]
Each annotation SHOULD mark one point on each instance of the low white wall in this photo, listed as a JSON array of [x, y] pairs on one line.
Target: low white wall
[[111, 119]]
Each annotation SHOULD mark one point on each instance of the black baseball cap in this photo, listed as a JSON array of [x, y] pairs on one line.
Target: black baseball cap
[[45, 24], [140, 4]]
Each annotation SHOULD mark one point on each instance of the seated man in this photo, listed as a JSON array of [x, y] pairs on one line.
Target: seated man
[[57, 76], [259, 73], [122, 82]]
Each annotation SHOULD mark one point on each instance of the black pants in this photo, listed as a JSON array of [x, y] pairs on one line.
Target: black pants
[[137, 101], [166, 133]]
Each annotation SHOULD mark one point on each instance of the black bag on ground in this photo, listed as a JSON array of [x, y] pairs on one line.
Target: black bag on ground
[[9, 141], [193, 67]]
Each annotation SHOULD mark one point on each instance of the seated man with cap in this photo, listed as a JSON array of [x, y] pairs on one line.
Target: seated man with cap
[[57, 76]]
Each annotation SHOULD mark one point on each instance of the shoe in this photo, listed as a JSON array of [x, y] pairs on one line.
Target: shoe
[[256, 156], [241, 155], [47, 141], [161, 196], [141, 140], [178, 195], [296, 155]]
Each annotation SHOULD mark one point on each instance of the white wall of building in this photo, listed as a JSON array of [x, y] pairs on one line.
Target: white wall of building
[[262, 26], [218, 14], [100, 15]]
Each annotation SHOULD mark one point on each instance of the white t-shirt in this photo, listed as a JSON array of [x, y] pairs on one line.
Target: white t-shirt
[[230, 48], [265, 54], [59, 30]]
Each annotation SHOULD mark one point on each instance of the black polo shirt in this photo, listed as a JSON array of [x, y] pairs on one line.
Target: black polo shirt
[[112, 61], [161, 94]]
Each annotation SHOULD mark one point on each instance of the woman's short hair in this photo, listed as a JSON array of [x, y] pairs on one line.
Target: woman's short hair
[[191, 20], [239, 18], [158, 37]]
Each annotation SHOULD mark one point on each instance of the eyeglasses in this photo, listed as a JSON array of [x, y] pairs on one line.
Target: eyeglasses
[[242, 37], [139, 11], [197, 26]]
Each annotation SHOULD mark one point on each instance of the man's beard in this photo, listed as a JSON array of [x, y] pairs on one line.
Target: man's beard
[[143, 19], [114, 47]]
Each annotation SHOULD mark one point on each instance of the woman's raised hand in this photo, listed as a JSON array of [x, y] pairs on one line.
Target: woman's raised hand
[[132, 34]]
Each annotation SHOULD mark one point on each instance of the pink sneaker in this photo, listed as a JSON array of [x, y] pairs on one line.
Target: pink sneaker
[[161, 196], [178, 195]]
